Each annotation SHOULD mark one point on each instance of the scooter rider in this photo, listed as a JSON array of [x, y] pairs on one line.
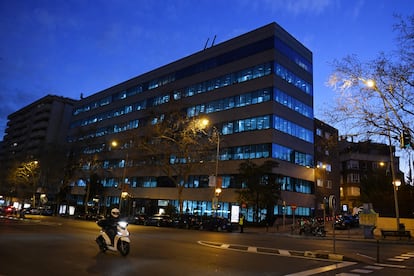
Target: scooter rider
[[109, 224]]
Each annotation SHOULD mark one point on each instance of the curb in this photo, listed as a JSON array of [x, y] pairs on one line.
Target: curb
[[280, 252]]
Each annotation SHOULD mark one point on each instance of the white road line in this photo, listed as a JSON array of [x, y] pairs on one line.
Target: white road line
[[373, 267], [346, 274], [322, 269], [402, 257], [252, 249], [395, 259], [284, 252], [410, 255], [363, 271]]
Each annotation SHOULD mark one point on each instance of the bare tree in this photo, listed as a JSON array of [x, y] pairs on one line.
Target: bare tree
[[176, 144], [26, 178], [375, 99]]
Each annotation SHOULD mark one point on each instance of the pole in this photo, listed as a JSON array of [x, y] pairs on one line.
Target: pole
[[216, 193], [387, 119], [393, 175], [333, 230], [217, 153], [123, 181]]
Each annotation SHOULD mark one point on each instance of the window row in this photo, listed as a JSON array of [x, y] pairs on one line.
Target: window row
[[292, 156], [116, 128], [293, 129], [199, 181], [245, 99], [209, 64], [249, 124], [291, 78], [293, 55], [292, 184], [292, 103]]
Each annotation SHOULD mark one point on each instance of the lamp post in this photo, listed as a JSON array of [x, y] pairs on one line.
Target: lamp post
[[371, 84], [124, 193], [217, 190], [323, 175], [217, 152]]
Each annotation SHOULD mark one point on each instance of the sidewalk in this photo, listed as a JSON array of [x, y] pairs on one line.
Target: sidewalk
[[357, 233]]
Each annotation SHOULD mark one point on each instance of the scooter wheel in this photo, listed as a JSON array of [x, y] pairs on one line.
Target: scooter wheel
[[123, 247], [101, 244]]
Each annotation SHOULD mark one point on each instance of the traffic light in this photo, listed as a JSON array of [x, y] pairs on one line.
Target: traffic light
[[406, 138]]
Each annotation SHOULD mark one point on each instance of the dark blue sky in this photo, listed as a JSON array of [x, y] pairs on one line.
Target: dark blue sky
[[69, 47]]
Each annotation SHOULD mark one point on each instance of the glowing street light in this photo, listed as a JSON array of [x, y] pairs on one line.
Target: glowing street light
[[372, 85], [124, 193]]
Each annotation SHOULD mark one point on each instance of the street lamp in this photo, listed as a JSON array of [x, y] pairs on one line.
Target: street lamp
[[323, 205], [124, 193], [217, 184], [372, 85]]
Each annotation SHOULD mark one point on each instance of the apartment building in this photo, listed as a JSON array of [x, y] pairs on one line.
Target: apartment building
[[327, 169], [36, 134], [366, 173]]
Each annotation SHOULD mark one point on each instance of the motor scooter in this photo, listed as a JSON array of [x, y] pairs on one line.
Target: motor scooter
[[121, 239]]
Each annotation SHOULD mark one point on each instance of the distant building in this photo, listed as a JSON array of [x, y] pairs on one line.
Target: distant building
[[36, 132], [327, 169], [256, 89], [366, 167]]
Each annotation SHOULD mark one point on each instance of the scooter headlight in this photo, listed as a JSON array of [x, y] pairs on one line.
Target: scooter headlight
[[123, 224]]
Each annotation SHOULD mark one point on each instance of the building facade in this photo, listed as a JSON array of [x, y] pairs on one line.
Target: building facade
[[257, 91], [366, 174], [327, 170], [36, 135]]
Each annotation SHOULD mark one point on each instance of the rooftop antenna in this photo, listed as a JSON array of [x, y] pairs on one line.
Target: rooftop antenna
[[214, 39], [205, 45]]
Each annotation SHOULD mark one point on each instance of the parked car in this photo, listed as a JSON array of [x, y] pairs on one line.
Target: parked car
[[159, 220], [187, 221], [346, 222], [7, 210], [216, 224], [138, 219]]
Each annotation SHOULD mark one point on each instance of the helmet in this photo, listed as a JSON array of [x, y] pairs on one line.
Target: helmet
[[115, 212]]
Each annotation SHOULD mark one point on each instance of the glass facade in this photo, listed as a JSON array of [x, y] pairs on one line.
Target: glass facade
[[206, 96]]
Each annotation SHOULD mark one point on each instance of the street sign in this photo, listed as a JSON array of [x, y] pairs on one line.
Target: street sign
[[293, 206]]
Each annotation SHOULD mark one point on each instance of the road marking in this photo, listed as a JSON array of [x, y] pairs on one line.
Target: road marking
[[373, 267], [395, 259], [273, 251], [402, 257], [409, 255], [364, 271], [322, 269], [284, 252], [346, 274], [252, 249], [391, 265]]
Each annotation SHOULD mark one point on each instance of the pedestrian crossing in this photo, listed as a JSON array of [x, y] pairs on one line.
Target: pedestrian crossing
[[365, 270], [403, 257], [361, 271]]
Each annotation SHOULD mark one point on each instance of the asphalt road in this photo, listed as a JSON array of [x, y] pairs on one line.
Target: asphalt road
[[59, 246]]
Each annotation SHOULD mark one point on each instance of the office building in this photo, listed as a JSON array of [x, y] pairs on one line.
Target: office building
[[256, 90]]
